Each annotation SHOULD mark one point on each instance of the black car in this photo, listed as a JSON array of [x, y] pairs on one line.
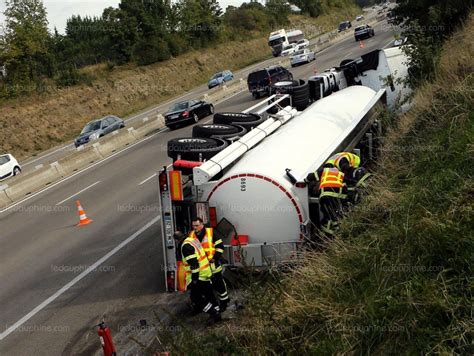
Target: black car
[[187, 111], [98, 128], [344, 26], [260, 81], [364, 31]]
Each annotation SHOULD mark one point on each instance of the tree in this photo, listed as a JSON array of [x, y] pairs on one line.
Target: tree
[[427, 23], [200, 21], [25, 46]]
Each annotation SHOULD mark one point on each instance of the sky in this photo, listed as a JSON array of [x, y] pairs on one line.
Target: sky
[[60, 10]]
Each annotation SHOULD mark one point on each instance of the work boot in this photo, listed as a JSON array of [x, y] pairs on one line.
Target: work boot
[[223, 305], [214, 315]]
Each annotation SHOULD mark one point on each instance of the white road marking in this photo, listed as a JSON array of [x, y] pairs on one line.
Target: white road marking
[[146, 180], [79, 172], [65, 288], [46, 155], [79, 192]]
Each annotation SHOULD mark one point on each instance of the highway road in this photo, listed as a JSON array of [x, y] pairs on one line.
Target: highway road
[[58, 280]]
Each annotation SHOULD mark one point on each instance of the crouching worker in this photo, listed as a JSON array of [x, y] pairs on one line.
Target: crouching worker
[[332, 194], [214, 249], [198, 275]]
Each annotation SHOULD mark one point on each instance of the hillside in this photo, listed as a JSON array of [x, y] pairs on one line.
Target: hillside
[[399, 277], [37, 122]]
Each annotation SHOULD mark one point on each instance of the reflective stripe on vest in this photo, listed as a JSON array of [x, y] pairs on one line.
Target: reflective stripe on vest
[[331, 178], [207, 243], [354, 160], [204, 269]]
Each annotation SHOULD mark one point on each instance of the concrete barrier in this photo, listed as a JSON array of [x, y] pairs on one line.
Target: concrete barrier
[[150, 126], [4, 199], [77, 160], [25, 184]]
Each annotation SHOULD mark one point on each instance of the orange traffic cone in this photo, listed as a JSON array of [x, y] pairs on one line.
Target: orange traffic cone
[[83, 219], [361, 44]]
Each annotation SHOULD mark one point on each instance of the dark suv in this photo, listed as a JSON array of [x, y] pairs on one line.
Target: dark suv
[[259, 82]]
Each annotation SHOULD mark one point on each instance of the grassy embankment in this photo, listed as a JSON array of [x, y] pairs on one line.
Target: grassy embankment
[[35, 123], [399, 278]]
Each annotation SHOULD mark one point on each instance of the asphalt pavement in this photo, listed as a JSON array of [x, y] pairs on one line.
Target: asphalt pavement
[[58, 280]]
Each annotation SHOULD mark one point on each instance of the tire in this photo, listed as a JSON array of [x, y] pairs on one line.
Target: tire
[[172, 127], [218, 130], [248, 121], [255, 95], [195, 118], [211, 109], [299, 91], [194, 148], [290, 77], [16, 171]]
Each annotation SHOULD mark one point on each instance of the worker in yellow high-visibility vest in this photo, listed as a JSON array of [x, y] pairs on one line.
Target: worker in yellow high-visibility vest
[[214, 249], [198, 275]]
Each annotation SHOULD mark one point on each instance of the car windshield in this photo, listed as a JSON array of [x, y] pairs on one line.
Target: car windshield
[[359, 28], [180, 106], [257, 76], [217, 75], [299, 52], [287, 47], [90, 127]]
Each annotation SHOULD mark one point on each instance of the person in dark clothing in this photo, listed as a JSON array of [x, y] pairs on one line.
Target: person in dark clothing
[[198, 275], [214, 249]]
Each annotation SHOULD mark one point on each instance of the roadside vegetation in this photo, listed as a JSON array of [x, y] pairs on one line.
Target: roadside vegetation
[[398, 279], [43, 109]]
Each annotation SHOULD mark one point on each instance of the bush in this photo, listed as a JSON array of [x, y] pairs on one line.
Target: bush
[[149, 51]]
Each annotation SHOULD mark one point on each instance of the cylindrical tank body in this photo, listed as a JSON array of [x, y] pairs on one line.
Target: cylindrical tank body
[[256, 196]]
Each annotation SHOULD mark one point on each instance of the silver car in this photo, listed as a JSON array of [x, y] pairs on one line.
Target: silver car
[[302, 56], [98, 128]]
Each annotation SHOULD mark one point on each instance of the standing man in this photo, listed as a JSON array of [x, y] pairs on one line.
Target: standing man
[[214, 251], [198, 275]]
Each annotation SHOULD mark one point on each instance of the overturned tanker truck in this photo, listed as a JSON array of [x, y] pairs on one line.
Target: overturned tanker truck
[[244, 174]]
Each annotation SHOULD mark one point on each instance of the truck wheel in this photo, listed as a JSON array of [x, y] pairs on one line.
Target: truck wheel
[[299, 91], [195, 148], [218, 130], [229, 118], [255, 95]]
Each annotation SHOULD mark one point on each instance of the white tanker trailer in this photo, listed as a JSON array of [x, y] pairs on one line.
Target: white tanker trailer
[[253, 192]]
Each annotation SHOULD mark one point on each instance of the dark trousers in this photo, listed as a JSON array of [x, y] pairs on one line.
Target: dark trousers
[[219, 286], [203, 297]]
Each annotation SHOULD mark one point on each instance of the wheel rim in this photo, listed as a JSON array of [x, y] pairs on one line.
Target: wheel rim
[[196, 118], [16, 171], [211, 109]]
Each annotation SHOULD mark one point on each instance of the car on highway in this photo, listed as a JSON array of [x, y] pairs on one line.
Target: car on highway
[[359, 17], [99, 128], [304, 43], [186, 112], [260, 81], [219, 78], [344, 25], [288, 50], [302, 56], [9, 166], [364, 31]]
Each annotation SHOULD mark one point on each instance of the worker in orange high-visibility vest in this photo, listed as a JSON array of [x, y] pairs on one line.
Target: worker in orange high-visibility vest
[[214, 249], [198, 275], [332, 198]]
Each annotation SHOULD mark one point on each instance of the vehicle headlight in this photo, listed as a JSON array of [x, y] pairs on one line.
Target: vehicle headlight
[[94, 136]]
